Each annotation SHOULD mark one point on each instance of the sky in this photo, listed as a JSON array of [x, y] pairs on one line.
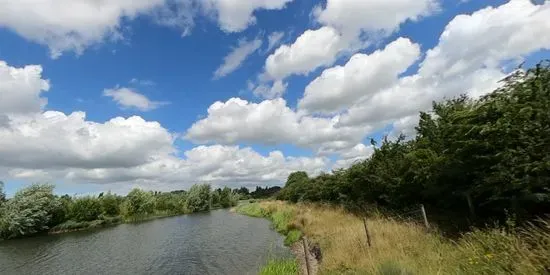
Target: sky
[[163, 94]]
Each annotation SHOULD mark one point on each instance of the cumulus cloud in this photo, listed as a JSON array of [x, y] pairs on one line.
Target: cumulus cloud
[[128, 98], [352, 155], [237, 15], [21, 89], [122, 152], [311, 49], [353, 16], [344, 25], [237, 56], [74, 25], [467, 59], [339, 87], [271, 122], [53, 140], [70, 25]]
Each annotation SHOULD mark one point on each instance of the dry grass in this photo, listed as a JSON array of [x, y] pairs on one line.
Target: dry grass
[[406, 248]]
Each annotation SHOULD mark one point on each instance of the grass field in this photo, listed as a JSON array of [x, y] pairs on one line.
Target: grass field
[[405, 247]]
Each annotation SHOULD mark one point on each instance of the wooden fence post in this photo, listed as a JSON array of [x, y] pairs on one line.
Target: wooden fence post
[[306, 252], [424, 216], [367, 231]]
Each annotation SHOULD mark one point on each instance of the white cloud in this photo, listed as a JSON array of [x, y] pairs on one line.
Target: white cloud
[[237, 15], [237, 56], [128, 98], [352, 155], [178, 14], [21, 89], [312, 49], [70, 25], [354, 16], [271, 122], [339, 87], [274, 39], [53, 140], [467, 59], [344, 24], [129, 152], [266, 91]]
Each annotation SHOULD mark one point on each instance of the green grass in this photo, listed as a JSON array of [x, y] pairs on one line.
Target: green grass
[[251, 209], [281, 219], [280, 267], [292, 237], [405, 247]]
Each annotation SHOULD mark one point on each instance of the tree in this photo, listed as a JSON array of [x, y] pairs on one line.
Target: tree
[[110, 204], [2, 194], [85, 209], [28, 212], [199, 198], [138, 203]]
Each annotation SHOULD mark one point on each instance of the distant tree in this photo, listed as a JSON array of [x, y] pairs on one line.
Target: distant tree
[[110, 204], [138, 203], [85, 209], [199, 198]]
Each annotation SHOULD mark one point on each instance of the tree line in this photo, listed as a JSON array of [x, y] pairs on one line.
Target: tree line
[[37, 209], [486, 158]]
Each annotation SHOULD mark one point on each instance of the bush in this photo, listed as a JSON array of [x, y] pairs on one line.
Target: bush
[[28, 212], [85, 209]]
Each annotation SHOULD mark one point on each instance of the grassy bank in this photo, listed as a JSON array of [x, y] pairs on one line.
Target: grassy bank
[[405, 247], [70, 225]]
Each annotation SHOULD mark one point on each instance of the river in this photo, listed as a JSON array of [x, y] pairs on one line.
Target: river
[[216, 242]]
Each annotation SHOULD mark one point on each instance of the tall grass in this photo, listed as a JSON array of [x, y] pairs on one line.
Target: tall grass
[[406, 247], [280, 267]]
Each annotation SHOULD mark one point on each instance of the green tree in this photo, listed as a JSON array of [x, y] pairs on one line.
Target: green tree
[[85, 209], [110, 204], [199, 198], [28, 212], [2, 194], [138, 203]]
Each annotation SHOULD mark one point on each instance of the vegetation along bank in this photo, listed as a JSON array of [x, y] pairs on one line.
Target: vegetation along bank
[[479, 167]]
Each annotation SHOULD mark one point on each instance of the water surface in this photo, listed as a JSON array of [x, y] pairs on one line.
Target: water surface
[[218, 242]]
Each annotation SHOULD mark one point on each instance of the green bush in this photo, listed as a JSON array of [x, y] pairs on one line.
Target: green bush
[[85, 209]]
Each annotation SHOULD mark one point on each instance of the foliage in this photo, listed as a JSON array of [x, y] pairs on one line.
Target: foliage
[[36, 209], [138, 203], [280, 267], [85, 209], [292, 237], [2, 194], [110, 204], [475, 158], [199, 198], [28, 212], [407, 248]]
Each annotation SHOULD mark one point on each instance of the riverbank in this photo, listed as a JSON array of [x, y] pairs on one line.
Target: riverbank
[[72, 226], [405, 247]]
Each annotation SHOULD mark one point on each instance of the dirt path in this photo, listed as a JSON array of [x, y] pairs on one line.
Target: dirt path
[[298, 250]]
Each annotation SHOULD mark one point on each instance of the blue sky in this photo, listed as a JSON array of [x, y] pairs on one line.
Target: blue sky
[[132, 50]]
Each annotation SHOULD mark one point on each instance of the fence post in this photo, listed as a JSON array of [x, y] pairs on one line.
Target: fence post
[[306, 250], [424, 216], [367, 231]]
